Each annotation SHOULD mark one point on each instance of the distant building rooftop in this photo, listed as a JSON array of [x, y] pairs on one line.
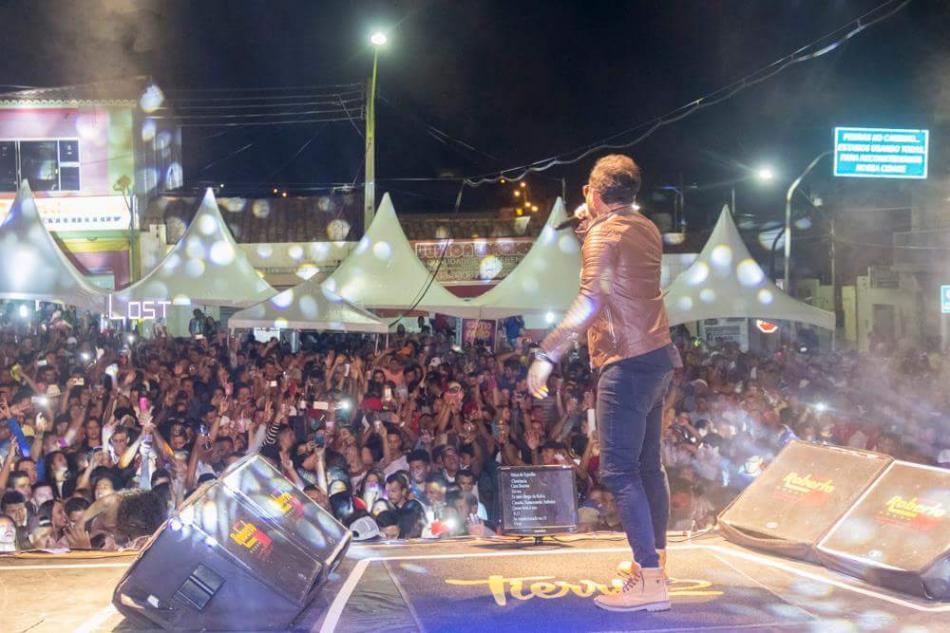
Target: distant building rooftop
[[116, 92], [332, 217]]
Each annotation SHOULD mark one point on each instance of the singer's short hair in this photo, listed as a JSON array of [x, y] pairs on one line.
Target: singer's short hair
[[617, 178]]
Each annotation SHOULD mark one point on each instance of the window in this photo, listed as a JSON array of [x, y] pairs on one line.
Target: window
[[8, 177], [49, 165]]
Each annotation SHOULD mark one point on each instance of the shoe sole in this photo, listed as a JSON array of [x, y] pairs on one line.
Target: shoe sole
[[655, 606]]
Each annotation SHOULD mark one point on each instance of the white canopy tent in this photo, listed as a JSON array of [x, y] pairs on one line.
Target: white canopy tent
[[725, 281], [35, 268], [206, 267], [308, 307], [383, 272], [545, 281]]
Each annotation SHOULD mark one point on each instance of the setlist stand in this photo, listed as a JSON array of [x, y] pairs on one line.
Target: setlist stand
[[537, 502]]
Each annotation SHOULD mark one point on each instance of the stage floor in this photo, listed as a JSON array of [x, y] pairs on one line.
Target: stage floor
[[501, 586]]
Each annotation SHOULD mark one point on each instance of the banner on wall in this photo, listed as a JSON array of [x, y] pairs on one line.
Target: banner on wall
[[79, 213], [468, 261]]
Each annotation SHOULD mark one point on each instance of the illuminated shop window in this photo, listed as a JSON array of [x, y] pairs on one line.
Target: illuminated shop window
[[49, 164]]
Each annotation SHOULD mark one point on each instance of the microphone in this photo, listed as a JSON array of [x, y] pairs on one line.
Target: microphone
[[569, 223], [580, 214]]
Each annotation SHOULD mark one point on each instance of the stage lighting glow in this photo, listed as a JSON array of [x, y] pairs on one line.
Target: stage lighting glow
[[283, 299], [363, 245], [707, 295], [131, 339], [151, 99], [803, 223], [295, 252], [187, 516], [749, 273], [697, 274], [721, 256], [308, 306], [207, 225], [338, 229], [210, 541], [821, 407], [529, 285], [260, 209], [24, 312], [148, 131], [765, 296], [567, 243], [307, 270], [382, 250], [549, 318], [195, 268], [490, 267], [264, 251], [222, 253]]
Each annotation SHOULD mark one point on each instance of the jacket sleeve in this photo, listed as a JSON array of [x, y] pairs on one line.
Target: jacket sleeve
[[599, 257]]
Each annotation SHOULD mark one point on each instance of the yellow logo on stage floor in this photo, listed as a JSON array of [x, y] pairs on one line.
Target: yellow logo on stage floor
[[550, 588]]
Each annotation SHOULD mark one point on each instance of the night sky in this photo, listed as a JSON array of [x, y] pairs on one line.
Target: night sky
[[513, 81]]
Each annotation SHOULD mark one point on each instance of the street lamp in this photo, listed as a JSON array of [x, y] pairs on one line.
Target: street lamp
[[788, 215], [763, 174], [377, 39]]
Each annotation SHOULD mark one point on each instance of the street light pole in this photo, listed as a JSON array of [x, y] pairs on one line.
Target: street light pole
[[788, 216], [369, 181]]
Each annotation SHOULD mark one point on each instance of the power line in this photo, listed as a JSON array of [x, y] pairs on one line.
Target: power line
[[304, 88], [305, 145], [266, 123], [329, 100], [256, 115], [800, 55], [218, 160]]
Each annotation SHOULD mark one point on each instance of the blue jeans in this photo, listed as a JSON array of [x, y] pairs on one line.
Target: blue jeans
[[629, 418]]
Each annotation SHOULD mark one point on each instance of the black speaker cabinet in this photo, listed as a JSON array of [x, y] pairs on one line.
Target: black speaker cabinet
[[898, 533], [246, 552], [796, 500]]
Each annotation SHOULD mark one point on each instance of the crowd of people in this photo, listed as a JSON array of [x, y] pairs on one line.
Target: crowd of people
[[104, 434]]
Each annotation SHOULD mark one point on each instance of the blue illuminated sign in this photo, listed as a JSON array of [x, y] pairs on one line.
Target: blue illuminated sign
[[945, 299], [862, 152]]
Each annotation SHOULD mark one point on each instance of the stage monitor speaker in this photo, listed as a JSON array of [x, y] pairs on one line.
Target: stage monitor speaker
[[796, 500], [248, 551], [897, 535]]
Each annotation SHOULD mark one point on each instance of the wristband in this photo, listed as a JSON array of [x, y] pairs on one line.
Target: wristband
[[543, 356]]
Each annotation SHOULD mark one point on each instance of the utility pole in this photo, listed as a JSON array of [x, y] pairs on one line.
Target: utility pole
[[788, 218], [369, 185]]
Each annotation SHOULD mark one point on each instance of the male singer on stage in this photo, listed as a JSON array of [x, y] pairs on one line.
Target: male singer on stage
[[620, 307]]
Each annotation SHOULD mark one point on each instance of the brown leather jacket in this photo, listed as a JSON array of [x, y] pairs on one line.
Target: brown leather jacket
[[620, 304]]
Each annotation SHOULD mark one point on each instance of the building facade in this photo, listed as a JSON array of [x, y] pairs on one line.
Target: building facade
[[93, 155]]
